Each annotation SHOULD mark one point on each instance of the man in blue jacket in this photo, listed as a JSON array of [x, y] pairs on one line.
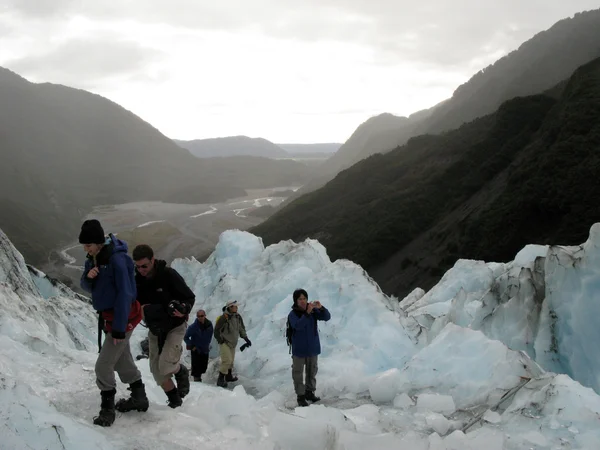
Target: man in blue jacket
[[109, 276], [306, 345], [197, 338]]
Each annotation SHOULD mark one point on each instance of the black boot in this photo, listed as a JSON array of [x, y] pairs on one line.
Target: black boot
[[311, 397], [302, 400], [183, 381], [174, 398], [198, 379], [137, 401], [106, 417], [230, 377], [221, 381]]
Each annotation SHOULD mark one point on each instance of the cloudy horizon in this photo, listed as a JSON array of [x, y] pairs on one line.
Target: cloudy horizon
[[287, 72]]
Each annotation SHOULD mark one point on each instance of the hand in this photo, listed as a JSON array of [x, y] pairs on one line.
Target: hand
[[93, 273], [317, 304], [309, 308], [178, 314]]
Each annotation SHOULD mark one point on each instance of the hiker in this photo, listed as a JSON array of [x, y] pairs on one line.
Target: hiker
[[166, 302], [229, 327], [108, 276], [306, 345], [198, 337]]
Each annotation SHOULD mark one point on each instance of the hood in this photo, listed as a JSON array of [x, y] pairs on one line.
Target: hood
[[117, 244], [159, 265]]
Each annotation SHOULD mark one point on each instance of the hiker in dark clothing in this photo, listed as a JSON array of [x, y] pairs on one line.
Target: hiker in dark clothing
[[197, 338], [166, 302], [109, 276], [306, 345]]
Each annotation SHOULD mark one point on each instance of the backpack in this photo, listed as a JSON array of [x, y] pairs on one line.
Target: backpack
[[289, 333]]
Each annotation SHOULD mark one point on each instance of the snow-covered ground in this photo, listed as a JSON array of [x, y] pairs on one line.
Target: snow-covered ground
[[402, 375]]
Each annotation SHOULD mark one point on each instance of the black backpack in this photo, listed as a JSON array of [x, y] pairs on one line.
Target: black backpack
[[289, 332]]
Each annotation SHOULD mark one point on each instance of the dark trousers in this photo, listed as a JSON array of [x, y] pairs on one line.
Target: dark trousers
[[199, 363]]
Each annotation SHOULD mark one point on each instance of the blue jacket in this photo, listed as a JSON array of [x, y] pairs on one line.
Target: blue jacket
[[305, 337], [114, 287], [199, 336]]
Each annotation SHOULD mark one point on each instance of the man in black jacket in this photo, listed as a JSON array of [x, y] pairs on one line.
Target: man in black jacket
[[166, 303]]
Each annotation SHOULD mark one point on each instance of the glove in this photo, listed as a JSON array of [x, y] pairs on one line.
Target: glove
[[244, 347], [248, 343]]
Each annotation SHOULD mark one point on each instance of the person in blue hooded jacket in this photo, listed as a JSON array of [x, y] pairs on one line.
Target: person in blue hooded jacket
[[197, 338], [109, 276], [306, 346]]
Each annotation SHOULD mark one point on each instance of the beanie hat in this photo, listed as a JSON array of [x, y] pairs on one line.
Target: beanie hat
[[91, 232]]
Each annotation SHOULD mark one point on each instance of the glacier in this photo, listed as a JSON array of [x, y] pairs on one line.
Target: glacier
[[394, 373]]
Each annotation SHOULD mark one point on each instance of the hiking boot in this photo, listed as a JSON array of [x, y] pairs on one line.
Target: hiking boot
[[221, 381], [137, 401], [311, 397], [106, 417], [230, 377], [199, 379], [183, 381], [174, 398], [302, 400]]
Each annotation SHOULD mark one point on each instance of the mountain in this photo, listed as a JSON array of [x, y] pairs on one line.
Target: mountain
[[310, 148], [523, 174], [65, 150], [537, 65], [233, 146], [497, 356]]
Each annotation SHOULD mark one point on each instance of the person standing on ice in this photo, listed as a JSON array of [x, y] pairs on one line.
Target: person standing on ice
[[229, 327], [166, 302], [109, 276], [197, 338], [306, 346]]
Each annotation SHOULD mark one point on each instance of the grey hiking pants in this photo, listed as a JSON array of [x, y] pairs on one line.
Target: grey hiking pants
[[115, 358], [299, 365]]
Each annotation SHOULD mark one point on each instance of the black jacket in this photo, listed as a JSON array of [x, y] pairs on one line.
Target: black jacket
[[158, 291]]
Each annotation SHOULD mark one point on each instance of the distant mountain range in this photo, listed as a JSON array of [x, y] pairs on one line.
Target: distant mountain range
[[522, 173], [65, 150], [298, 149], [244, 145], [233, 146]]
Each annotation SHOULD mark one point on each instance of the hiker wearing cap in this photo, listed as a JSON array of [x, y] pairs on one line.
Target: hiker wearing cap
[[108, 276], [306, 345], [229, 327]]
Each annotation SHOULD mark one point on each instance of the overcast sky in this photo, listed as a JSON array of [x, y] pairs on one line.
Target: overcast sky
[[285, 70]]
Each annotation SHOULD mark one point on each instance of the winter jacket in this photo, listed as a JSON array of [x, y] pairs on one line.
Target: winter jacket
[[199, 335], [113, 290], [157, 291], [229, 328], [305, 337]]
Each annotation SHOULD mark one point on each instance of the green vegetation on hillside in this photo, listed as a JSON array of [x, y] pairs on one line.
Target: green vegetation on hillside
[[525, 174]]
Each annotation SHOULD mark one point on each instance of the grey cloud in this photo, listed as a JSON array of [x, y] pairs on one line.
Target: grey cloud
[[40, 8], [83, 62], [441, 33]]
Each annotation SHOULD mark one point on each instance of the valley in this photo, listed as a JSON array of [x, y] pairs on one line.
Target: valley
[[173, 230]]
